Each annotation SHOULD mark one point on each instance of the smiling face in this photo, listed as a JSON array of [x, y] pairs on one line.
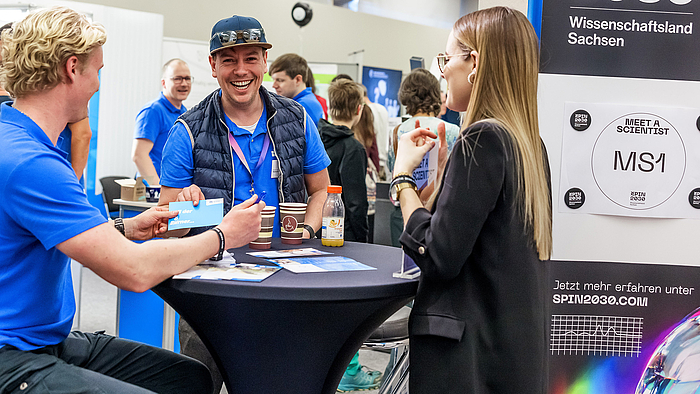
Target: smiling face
[[239, 71], [456, 72], [176, 92], [88, 83]]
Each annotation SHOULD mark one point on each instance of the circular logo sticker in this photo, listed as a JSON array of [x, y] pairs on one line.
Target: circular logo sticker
[[694, 198], [580, 120], [574, 198], [289, 223], [638, 161]]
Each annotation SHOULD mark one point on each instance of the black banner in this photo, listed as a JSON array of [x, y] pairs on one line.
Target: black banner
[[654, 39], [607, 321]]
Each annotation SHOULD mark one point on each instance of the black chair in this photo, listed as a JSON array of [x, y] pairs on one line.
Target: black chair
[[110, 191], [393, 335]]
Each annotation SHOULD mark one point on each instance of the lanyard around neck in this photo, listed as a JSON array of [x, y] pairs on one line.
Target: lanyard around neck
[[241, 156]]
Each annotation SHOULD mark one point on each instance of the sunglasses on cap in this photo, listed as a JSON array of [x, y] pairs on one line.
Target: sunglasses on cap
[[247, 35]]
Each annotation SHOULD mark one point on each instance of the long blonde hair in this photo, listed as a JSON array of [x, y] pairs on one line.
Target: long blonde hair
[[505, 92]]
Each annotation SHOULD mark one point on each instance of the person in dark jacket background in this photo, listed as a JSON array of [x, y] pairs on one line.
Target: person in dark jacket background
[[348, 158]]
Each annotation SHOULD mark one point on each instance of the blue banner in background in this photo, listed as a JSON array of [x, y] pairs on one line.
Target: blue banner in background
[[534, 14]]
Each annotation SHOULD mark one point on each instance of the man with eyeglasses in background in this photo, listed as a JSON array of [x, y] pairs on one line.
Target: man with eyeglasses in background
[[157, 117], [243, 140]]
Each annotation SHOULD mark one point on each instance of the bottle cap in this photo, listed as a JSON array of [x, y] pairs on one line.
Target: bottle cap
[[334, 189]]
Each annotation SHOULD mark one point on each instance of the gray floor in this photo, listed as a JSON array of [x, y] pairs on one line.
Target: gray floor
[[98, 311]]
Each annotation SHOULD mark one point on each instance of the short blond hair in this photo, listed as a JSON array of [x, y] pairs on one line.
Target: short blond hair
[[344, 96], [38, 46]]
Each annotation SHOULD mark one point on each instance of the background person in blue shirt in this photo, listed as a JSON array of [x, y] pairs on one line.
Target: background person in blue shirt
[[290, 78], [157, 117], [51, 67], [242, 140]]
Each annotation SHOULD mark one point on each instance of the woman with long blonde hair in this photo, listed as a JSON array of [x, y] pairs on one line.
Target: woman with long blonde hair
[[478, 322]]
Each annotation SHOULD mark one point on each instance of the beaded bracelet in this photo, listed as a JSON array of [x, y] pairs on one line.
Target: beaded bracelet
[[400, 178], [222, 244], [119, 225]]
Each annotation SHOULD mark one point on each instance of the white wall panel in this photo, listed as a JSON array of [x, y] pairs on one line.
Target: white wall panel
[[333, 33], [602, 237], [196, 54], [130, 78]]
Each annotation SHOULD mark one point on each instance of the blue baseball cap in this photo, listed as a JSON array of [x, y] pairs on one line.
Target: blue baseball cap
[[237, 31]]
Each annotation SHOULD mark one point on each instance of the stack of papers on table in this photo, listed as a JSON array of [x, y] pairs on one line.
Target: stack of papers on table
[[311, 260], [275, 254], [321, 264], [228, 269]]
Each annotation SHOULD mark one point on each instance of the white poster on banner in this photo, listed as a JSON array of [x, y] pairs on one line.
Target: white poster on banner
[[630, 161]]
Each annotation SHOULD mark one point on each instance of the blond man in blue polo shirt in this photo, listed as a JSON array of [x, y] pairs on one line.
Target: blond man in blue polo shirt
[[51, 62]]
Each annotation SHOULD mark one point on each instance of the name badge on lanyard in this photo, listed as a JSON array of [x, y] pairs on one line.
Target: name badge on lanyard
[[275, 167], [241, 156]]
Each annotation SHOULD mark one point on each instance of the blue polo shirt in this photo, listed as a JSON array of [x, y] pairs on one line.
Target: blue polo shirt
[[43, 205], [178, 163], [64, 144], [153, 123], [308, 100]]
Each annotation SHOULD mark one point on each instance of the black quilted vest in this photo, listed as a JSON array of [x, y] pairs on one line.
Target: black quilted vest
[[212, 155]]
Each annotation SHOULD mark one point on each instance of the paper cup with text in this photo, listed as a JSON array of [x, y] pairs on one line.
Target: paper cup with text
[[265, 237], [292, 222]]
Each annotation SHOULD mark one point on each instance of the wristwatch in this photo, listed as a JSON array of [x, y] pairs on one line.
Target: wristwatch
[[396, 189]]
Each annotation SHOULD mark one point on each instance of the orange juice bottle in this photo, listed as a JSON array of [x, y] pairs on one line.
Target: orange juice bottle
[[333, 230]]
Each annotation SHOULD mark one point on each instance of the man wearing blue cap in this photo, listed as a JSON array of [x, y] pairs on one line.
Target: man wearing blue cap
[[243, 140]]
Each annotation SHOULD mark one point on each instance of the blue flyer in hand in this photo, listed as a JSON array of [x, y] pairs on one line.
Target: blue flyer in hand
[[206, 213]]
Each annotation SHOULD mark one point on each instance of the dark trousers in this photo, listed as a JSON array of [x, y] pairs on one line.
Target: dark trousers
[[191, 345], [99, 363]]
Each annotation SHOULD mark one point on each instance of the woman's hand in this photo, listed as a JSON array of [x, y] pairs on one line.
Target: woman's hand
[[411, 149], [148, 224]]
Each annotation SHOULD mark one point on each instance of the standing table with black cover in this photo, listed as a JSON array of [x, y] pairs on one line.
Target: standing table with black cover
[[291, 333]]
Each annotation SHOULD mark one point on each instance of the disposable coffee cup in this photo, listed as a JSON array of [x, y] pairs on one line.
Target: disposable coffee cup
[[152, 193], [292, 216], [265, 237]]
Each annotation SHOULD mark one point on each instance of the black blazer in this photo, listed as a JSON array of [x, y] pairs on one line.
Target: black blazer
[[478, 322]]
